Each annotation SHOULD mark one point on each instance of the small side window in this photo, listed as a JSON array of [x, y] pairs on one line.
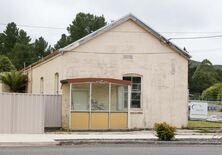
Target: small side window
[[56, 85], [136, 90], [42, 85]]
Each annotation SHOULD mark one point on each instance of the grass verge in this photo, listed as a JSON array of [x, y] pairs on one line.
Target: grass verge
[[204, 124]]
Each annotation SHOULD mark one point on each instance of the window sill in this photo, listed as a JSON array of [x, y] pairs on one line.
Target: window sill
[[136, 111]]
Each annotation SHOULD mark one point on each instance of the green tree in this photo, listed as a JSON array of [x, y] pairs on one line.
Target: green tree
[[23, 55], [82, 25], [2, 44], [219, 95], [204, 76], [8, 39], [41, 48], [62, 42], [22, 51], [213, 92], [17, 46], [85, 24], [16, 81], [191, 70], [23, 38], [5, 64], [219, 73]]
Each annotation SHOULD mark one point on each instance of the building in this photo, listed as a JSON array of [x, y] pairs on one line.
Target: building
[[124, 75]]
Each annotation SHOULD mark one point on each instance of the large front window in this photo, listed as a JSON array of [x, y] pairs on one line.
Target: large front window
[[99, 103], [136, 90], [100, 97]]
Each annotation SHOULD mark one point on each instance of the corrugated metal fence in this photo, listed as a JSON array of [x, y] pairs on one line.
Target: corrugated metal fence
[[53, 110], [29, 113]]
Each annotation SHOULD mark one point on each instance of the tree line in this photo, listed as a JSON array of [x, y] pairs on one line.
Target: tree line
[[17, 46], [17, 49], [205, 80]]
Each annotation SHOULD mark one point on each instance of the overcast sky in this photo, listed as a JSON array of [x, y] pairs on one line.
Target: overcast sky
[[186, 18]]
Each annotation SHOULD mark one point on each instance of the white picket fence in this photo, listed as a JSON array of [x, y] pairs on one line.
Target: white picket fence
[[29, 113]]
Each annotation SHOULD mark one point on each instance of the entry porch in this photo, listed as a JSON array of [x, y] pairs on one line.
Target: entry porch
[[98, 103]]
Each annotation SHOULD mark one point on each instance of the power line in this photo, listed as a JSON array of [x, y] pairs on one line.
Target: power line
[[63, 28], [204, 37], [202, 50], [190, 32], [32, 26], [166, 32], [169, 32]]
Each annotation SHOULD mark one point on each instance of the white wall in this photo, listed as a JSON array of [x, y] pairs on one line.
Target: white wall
[[47, 71], [127, 49]]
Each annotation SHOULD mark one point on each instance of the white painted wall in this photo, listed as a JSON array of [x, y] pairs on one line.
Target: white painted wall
[[129, 49], [47, 70]]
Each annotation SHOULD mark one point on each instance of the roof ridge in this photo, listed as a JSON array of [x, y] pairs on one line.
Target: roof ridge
[[107, 28], [102, 28], [118, 22]]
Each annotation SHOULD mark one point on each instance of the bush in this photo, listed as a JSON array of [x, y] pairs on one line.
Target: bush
[[15, 80], [213, 92], [164, 131]]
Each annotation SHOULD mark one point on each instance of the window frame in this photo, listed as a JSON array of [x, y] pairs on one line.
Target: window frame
[[141, 90], [56, 83], [42, 85]]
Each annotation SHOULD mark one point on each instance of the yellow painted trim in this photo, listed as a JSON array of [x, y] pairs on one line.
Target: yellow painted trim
[[118, 120], [80, 120], [99, 120]]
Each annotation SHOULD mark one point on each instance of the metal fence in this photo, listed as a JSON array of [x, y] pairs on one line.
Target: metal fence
[[29, 113], [53, 110]]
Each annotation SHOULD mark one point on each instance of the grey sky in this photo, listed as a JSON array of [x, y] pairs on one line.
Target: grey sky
[[161, 15]]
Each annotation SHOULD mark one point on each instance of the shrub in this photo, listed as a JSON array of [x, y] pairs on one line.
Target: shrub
[[164, 131], [213, 92], [16, 81]]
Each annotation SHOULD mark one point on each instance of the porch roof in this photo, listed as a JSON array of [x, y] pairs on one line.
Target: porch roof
[[96, 80]]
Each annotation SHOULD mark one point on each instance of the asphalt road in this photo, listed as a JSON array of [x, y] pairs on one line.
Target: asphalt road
[[115, 149]]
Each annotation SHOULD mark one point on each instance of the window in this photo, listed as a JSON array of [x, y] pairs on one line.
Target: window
[[56, 87], [80, 97], [99, 97], [41, 85], [135, 91], [119, 100]]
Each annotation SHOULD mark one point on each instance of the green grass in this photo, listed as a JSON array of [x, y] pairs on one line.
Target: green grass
[[204, 124]]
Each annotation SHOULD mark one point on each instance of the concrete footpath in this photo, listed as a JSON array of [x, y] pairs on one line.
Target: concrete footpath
[[64, 138]]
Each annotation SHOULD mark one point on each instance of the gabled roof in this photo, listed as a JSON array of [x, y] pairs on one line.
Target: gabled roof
[[107, 28], [117, 23], [51, 55]]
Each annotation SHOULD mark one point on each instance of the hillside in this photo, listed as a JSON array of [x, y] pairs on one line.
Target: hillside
[[218, 66], [194, 63]]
